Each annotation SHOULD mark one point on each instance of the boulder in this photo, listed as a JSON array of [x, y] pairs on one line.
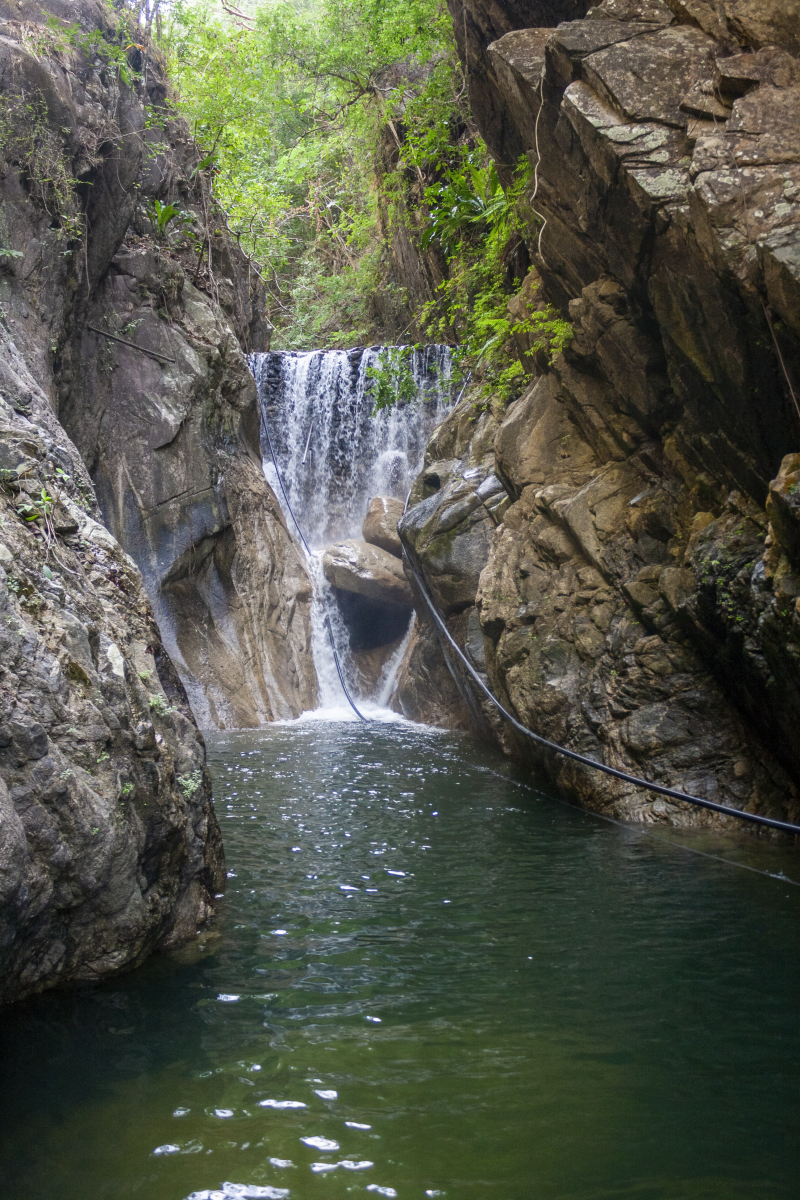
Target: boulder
[[355, 566], [380, 524]]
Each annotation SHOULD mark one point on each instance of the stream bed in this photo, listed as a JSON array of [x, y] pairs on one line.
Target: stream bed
[[428, 979]]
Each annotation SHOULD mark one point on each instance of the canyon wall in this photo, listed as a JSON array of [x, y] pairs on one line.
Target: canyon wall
[[130, 488], [134, 309], [619, 552]]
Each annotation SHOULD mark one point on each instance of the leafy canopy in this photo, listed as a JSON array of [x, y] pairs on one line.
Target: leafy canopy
[[334, 129], [287, 106]]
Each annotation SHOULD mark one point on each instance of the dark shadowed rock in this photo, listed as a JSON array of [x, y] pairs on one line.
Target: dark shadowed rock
[[426, 690]]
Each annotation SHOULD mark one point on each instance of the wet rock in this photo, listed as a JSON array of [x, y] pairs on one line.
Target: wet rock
[[783, 507], [355, 566], [371, 665], [380, 524], [426, 690]]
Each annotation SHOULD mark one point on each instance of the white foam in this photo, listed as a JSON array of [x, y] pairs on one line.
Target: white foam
[[320, 1143], [281, 1104]]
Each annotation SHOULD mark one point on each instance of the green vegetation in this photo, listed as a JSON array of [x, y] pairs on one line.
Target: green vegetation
[[333, 133], [189, 784], [160, 707], [93, 45], [27, 139], [288, 109], [391, 381]]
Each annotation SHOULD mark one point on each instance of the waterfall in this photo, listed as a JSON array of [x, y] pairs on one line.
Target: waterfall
[[334, 455]]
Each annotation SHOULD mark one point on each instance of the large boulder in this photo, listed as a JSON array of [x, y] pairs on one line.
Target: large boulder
[[380, 524], [355, 566]]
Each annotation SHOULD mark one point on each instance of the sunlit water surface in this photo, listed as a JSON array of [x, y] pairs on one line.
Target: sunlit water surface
[[427, 980]]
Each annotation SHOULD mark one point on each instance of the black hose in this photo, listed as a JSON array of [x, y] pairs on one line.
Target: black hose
[[265, 427], [339, 671], [672, 793]]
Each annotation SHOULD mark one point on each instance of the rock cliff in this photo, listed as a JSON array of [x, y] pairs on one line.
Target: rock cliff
[[638, 600], [125, 398], [134, 309], [109, 847]]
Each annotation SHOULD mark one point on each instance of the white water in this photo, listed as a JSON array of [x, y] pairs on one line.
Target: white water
[[333, 456]]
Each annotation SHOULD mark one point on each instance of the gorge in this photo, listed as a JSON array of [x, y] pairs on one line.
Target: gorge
[[432, 958]]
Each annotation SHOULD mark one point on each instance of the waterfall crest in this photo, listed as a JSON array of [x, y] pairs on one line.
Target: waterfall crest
[[334, 455]]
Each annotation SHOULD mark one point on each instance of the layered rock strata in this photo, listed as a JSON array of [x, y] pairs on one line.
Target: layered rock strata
[[639, 599]]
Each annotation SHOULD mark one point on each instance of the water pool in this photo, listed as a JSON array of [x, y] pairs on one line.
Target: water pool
[[428, 980]]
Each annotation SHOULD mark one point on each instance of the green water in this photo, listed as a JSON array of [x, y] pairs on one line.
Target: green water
[[464, 987]]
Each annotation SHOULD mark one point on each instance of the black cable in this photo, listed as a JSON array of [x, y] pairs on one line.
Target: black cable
[[784, 826], [339, 669], [265, 427], [339, 672]]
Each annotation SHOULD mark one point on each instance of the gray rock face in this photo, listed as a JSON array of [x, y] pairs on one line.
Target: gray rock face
[[176, 463], [355, 566], [380, 524], [426, 690], [637, 602], [478, 23], [109, 847], [168, 426], [454, 508]]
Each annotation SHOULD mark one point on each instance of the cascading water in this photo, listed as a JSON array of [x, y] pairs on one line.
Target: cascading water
[[334, 455]]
